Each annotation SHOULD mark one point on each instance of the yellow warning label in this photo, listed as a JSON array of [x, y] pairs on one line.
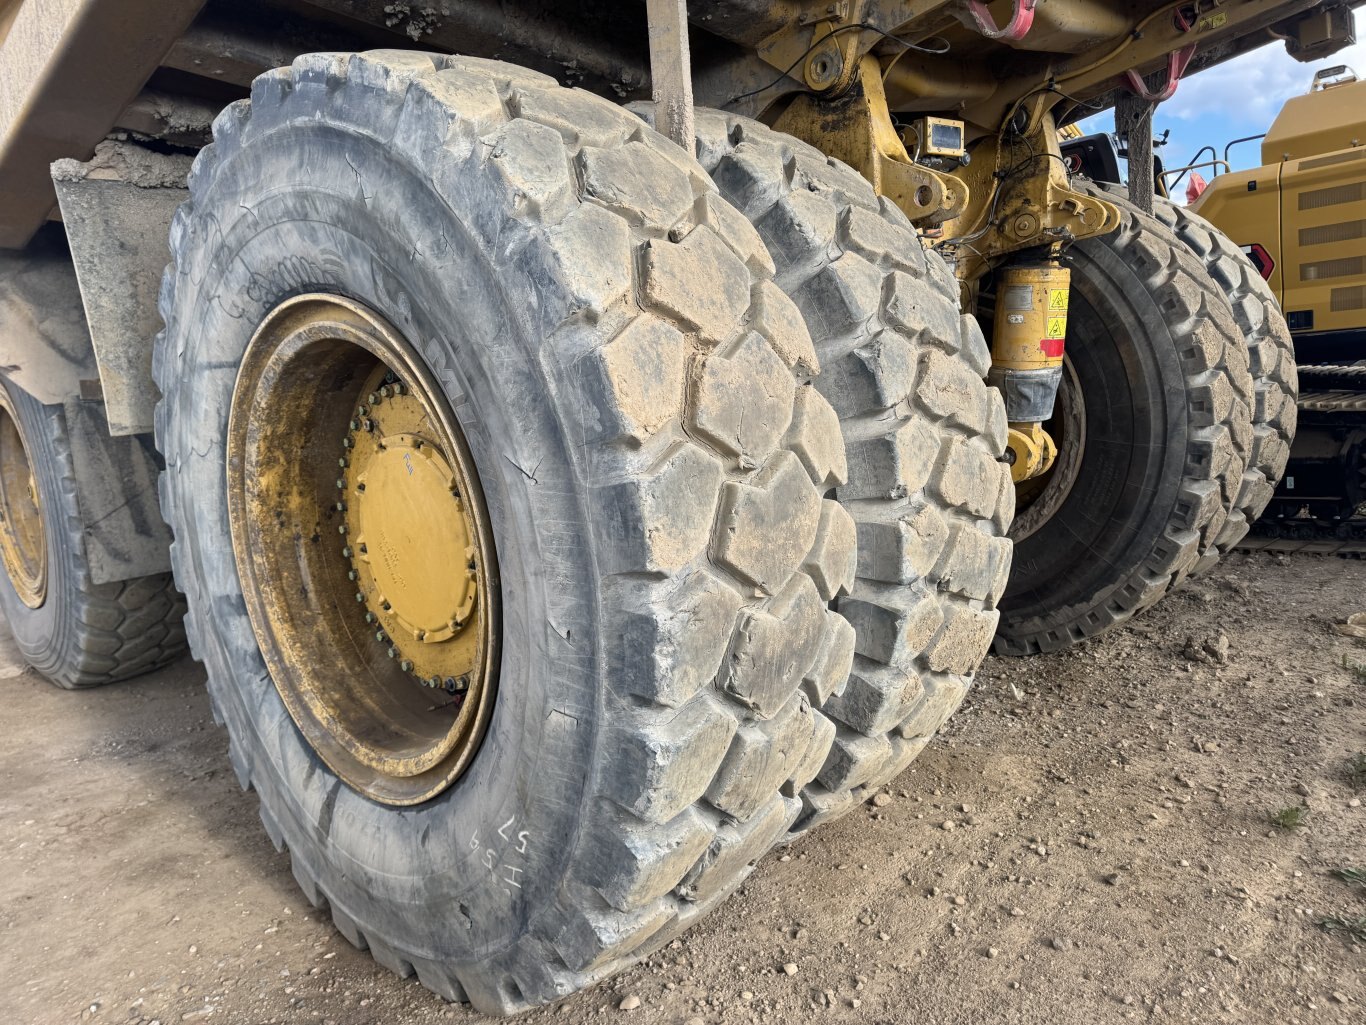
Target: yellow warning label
[[1057, 327], [1057, 299]]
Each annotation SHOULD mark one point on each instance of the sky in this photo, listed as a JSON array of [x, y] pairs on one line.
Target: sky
[[1237, 98]]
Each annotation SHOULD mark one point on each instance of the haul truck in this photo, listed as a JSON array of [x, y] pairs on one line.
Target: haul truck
[[577, 439]]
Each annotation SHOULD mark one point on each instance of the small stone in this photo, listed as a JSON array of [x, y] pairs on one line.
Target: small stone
[[993, 952], [630, 1003], [881, 800], [747, 995], [1061, 943], [855, 1003], [947, 824], [1340, 997], [1355, 802], [960, 900], [1113, 879], [789, 969], [1016, 913], [865, 919]]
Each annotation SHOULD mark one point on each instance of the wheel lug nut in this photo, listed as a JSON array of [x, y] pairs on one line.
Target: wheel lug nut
[[341, 507], [384, 392], [342, 462], [369, 617], [341, 485], [341, 528], [462, 685], [347, 443], [406, 666], [346, 552], [393, 652], [374, 399], [360, 598], [351, 574], [450, 684], [354, 425], [368, 425], [381, 637]]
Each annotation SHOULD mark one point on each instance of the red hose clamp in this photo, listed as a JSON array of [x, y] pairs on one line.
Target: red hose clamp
[[1177, 61], [1021, 18]]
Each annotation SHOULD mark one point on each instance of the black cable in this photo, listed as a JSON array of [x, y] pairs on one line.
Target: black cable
[[860, 26]]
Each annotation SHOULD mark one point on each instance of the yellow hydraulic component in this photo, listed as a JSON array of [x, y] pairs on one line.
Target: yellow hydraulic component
[[1031, 317], [857, 128], [1026, 358], [23, 541], [1030, 451]]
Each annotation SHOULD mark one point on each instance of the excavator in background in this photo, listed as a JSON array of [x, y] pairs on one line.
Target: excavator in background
[[1301, 219]]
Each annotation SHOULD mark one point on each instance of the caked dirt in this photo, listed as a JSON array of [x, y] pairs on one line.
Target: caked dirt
[[1088, 841]]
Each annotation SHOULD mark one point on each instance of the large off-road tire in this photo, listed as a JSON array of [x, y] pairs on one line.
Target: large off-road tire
[[635, 395], [76, 633], [928, 493], [1270, 352], [1154, 429]]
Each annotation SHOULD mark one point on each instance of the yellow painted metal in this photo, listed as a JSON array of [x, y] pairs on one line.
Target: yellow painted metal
[[857, 128], [1021, 197], [23, 540], [1305, 207], [1030, 451], [385, 658], [1031, 317], [412, 545]]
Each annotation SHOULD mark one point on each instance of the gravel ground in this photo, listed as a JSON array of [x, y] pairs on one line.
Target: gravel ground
[[1088, 841]]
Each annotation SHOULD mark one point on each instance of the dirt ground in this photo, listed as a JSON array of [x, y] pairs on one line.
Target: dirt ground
[[1088, 842]]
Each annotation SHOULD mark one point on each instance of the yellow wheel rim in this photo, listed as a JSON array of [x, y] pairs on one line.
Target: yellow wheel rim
[[23, 540], [366, 558]]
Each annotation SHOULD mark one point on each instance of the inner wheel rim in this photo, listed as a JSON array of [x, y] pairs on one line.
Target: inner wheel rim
[[23, 539], [367, 562]]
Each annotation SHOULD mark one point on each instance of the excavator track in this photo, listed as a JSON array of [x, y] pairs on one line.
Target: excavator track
[[1332, 397]]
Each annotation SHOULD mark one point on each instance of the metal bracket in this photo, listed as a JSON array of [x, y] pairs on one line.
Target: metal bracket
[[858, 129], [1022, 199], [671, 70]]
